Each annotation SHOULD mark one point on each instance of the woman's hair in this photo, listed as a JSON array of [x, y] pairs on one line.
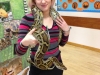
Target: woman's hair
[[32, 2]]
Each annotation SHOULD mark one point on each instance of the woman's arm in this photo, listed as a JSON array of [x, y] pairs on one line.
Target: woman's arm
[[65, 36], [23, 30], [65, 28]]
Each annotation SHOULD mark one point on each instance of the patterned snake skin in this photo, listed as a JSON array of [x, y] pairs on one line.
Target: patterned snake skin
[[43, 39]]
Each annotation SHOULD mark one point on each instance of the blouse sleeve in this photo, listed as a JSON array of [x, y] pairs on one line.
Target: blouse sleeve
[[23, 30], [64, 40]]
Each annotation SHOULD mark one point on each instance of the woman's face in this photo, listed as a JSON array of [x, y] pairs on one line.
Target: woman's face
[[43, 5]]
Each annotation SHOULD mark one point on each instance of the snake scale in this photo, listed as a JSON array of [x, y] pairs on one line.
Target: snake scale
[[43, 39]]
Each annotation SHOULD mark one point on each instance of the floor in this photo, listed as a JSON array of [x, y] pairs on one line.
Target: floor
[[80, 61]]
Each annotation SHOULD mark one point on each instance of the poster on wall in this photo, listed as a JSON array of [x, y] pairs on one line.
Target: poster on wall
[[16, 9], [78, 5], [11, 12], [5, 12]]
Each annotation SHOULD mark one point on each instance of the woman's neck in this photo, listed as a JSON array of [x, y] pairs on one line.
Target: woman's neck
[[46, 14]]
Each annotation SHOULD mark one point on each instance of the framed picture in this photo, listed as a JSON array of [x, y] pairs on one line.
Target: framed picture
[[79, 8]]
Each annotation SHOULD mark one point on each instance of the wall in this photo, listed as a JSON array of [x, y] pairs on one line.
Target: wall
[[84, 36]]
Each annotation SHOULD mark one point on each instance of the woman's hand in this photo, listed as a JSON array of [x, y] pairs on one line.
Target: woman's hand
[[62, 24], [29, 39]]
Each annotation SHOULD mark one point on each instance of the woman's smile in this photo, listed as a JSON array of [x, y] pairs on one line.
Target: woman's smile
[[44, 6]]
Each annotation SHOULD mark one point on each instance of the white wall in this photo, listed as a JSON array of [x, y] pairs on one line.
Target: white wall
[[84, 36]]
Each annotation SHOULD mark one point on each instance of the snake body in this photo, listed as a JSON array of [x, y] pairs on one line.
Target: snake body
[[44, 42]]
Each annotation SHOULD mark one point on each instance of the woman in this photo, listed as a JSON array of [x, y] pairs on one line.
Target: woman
[[26, 38]]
